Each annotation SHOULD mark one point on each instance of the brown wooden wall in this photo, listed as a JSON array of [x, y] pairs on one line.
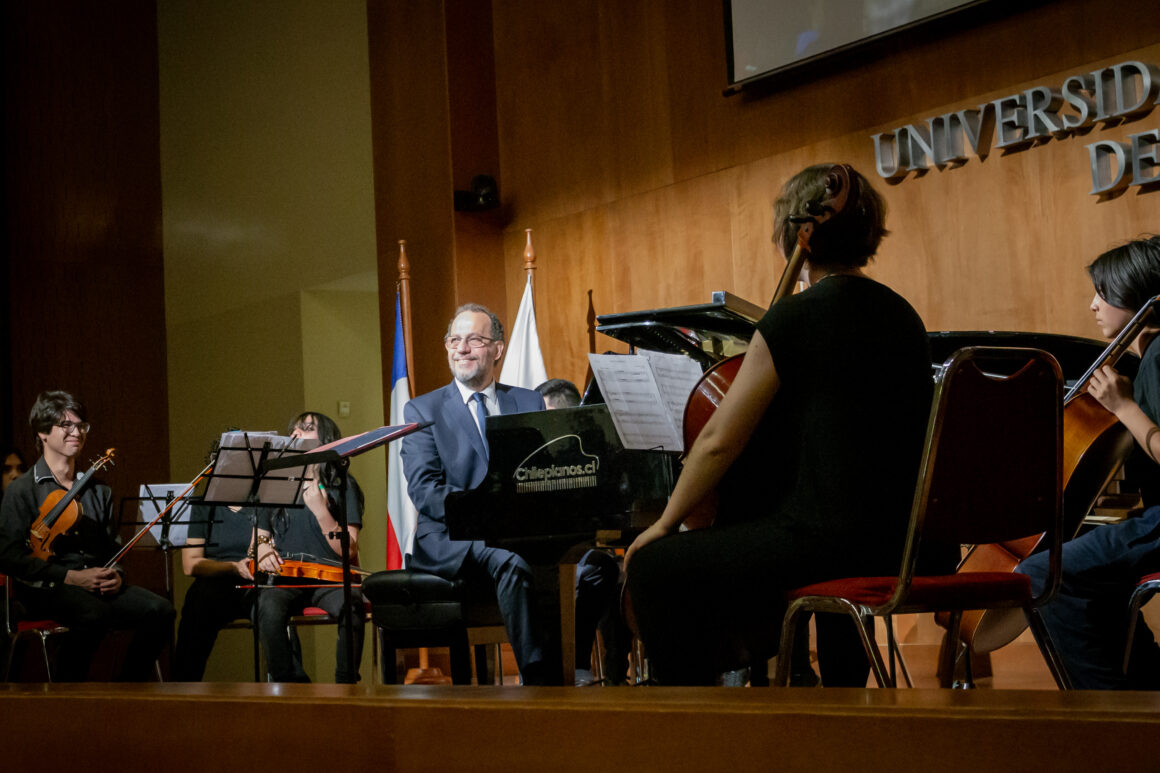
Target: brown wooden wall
[[85, 278], [645, 187]]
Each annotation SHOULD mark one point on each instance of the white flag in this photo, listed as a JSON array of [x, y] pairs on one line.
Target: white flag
[[524, 364]]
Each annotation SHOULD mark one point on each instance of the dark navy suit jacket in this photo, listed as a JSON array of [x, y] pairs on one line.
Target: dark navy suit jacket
[[448, 456]]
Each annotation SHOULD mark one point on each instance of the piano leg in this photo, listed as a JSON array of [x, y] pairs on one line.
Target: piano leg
[[567, 579]]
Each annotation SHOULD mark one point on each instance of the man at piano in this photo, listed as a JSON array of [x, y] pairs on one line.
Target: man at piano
[[451, 455]]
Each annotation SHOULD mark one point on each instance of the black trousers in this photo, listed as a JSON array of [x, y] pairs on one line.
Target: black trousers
[[521, 594], [89, 618], [211, 603], [712, 600], [275, 608], [598, 584]]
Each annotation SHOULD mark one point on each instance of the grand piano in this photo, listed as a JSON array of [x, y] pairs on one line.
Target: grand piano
[[560, 481], [562, 478]]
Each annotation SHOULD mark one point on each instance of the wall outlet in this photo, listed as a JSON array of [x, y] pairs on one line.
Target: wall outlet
[[344, 409]]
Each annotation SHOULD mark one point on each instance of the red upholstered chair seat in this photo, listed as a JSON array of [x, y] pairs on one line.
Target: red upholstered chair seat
[[949, 591]]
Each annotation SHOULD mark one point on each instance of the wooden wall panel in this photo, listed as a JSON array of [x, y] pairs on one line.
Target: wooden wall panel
[[998, 243], [84, 271], [409, 128]]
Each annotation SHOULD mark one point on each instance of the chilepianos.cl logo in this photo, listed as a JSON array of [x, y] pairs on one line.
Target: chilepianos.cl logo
[[561, 463]]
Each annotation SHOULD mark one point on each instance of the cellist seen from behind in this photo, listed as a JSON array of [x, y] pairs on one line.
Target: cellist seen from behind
[[814, 452], [70, 584], [1087, 619]]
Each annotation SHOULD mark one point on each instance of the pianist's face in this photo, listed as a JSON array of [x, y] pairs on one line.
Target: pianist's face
[[1111, 319], [473, 367]]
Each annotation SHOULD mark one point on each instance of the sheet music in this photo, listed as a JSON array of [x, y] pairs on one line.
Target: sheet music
[[639, 412], [238, 458], [155, 498], [676, 376]]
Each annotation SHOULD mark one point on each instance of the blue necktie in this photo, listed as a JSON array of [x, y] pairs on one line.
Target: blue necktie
[[481, 416]]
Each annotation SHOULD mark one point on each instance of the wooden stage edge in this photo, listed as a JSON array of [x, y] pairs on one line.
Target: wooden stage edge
[[269, 727]]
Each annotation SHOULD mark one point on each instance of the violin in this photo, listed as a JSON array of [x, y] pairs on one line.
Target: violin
[[308, 570], [841, 186], [60, 510]]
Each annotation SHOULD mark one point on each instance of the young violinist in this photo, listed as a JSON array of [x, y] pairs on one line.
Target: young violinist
[[72, 585], [813, 451], [1087, 618], [309, 533]]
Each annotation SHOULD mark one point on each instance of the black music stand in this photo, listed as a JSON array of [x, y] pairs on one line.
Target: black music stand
[[239, 478], [338, 454]]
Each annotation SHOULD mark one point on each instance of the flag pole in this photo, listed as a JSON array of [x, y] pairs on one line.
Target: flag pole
[[424, 674], [530, 263], [404, 284]]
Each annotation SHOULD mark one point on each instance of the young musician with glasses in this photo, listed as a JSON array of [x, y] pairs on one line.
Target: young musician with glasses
[[72, 586]]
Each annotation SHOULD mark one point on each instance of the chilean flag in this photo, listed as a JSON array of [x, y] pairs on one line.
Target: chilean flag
[[402, 515]]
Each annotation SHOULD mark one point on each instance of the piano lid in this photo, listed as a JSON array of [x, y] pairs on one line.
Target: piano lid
[[707, 332], [712, 331]]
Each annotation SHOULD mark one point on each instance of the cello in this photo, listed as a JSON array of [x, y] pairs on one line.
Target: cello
[[59, 511], [1094, 446]]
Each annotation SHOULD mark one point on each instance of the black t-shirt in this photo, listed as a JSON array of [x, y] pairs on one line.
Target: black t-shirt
[[296, 531], [835, 459], [227, 533], [1139, 467]]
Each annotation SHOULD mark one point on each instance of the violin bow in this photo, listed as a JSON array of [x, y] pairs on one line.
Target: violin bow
[[137, 537]]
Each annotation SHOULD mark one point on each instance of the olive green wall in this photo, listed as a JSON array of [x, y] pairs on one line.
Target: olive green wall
[[271, 288]]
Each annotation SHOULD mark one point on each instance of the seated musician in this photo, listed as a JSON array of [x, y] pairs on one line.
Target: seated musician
[[598, 582], [72, 586], [1087, 620], [823, 427], [309, 533], [451, 455], [14, 467], [216, 556]]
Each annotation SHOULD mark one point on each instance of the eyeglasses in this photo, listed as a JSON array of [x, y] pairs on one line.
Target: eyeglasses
[[474, 341], [82, 427]]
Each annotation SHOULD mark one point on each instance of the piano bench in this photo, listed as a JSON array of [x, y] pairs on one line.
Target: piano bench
[[417, 609]]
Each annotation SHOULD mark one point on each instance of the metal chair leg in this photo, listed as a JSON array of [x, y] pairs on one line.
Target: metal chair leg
[[896, 652], [1047, 648]]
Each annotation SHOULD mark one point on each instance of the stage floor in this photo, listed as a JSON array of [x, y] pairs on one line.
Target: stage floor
[[270, 728]]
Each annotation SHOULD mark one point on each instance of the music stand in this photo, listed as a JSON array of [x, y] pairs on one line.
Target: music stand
[[339, 453], [167, 529], [239, 478]]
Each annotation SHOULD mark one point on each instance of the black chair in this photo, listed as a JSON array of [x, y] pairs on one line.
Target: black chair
[[417, 609]]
